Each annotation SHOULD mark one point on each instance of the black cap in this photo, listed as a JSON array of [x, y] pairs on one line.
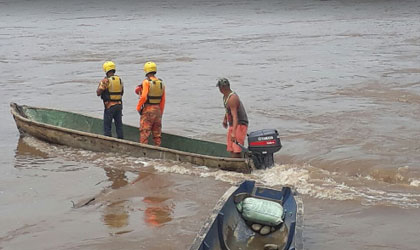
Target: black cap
[[222, 82]]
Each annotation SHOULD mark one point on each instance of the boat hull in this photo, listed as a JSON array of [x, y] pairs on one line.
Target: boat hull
[[225, 228], [98, 142]]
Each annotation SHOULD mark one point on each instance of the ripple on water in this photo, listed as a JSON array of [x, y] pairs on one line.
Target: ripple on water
[[305, 179]]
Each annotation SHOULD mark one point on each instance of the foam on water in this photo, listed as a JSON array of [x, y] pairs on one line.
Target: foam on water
[[415, 183], [305, 179]]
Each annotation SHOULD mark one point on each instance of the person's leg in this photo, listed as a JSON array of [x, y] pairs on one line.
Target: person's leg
[[229, 140], [107, 122], [118, 121], [157, 129], [240, 133], [145, 126]]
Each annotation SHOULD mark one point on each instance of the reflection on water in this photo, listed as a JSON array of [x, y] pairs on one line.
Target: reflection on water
[[159, 209], [117, 177], [23, 149], [157, 206], [116, 215], [158, 212]]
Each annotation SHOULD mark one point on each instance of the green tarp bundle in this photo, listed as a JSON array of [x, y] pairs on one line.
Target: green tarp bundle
[[261, 211]]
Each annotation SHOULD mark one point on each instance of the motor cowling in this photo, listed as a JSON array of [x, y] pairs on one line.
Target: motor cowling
[[262, 144]]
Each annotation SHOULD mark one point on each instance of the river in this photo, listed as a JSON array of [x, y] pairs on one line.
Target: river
[[339, 80]]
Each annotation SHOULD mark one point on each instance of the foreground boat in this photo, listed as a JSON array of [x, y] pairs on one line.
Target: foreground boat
[[226, 228], [82, 131]]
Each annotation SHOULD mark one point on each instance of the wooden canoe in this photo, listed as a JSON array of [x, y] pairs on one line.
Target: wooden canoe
[[86, 132], [225, 229]]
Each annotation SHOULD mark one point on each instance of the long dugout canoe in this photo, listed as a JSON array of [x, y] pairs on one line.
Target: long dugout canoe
[[82, 131]]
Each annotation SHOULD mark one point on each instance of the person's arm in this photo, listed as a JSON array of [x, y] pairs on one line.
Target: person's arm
[[137, 90], [162, 102], [102, 86], [224, 123], [143, 97], [122, 88], [233, 104]]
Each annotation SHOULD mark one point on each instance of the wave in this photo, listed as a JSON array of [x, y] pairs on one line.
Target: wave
[[305, 179]]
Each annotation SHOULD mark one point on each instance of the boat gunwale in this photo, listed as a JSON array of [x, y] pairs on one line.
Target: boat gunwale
[[208, 222], [16, 114], [221, 202]]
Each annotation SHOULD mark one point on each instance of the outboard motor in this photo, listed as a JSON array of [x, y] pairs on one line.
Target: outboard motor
[[262, 144]]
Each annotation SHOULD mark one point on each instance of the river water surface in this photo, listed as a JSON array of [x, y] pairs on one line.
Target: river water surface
[[339, 80]]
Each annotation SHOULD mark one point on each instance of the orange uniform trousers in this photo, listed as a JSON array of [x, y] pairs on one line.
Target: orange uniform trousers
[[151, 122]]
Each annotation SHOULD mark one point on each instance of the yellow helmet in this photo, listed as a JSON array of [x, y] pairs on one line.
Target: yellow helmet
[[150, 67], [108, 65]]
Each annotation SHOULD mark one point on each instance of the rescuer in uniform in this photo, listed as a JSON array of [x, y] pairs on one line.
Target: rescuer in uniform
[[111, 90], [151, 105]]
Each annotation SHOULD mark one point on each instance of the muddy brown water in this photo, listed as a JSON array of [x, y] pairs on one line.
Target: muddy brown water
[[338, 79]]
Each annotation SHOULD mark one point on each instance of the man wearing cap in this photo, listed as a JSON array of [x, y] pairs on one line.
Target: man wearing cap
[[111, 90], [235, 117]]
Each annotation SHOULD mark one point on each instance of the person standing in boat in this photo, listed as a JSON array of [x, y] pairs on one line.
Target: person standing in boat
[[151, 105], [235, 117], [111, 90]]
